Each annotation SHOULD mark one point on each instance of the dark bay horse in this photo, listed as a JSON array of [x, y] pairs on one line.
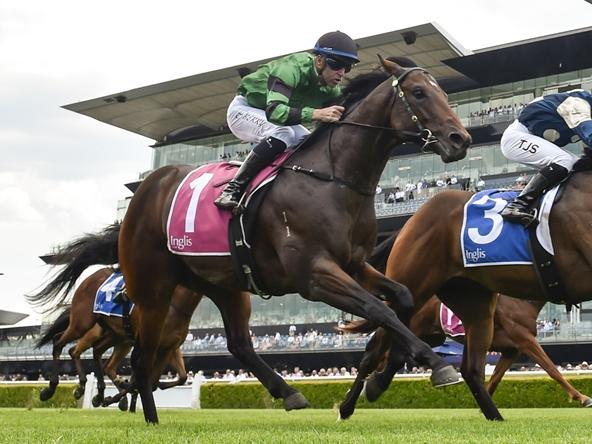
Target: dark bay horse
[[312, 236], [514, 333], [79, 322], [427, 258]]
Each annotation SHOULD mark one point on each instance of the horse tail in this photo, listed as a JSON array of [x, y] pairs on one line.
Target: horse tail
[[90, 249], [380, 253], [358, 326], [59, 326]]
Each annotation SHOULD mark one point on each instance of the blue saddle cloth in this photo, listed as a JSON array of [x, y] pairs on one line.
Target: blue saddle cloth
[[487, 238], [104, 303]]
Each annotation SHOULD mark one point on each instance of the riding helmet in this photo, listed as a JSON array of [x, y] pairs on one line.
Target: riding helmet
[[337, 44]]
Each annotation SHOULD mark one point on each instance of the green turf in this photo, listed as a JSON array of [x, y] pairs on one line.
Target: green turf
[[308, 426]]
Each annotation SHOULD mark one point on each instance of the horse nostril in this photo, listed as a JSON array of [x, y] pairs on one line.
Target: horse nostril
[[459, 140]]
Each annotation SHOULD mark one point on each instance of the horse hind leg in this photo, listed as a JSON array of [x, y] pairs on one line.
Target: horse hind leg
[[177, 364], [533, 349], [60, 340], [236, 312]]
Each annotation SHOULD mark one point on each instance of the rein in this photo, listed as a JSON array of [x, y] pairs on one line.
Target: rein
[[424, 134]]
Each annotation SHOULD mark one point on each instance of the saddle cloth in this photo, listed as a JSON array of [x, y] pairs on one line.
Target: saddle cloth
[[451, 324], [196, 226], [104, 303], [488, 239]]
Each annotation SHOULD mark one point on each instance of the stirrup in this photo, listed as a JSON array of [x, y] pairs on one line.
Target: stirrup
[[521, 217], [227, 200]]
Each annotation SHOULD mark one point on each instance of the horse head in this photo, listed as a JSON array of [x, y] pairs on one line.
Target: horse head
[[431, 120]]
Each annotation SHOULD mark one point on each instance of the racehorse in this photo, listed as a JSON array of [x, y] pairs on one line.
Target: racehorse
[[78, 322], [427, 258], [514, 334], [313, 231], [101, 332]]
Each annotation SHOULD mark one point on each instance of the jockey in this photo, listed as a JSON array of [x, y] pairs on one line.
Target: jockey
[[543, 126], [273, 102]]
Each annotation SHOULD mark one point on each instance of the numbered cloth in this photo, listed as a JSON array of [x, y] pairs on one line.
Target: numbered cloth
[[196, 226], [105, 302], [487, 239], [451, 324]]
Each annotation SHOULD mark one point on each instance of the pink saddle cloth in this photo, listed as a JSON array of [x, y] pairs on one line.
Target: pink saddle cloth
[[197, 227], [451, 323]]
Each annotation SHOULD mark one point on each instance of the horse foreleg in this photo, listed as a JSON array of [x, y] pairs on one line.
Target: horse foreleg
[[151, 322], [533, 349], [374, 353], [478, 336], [236, 312], [330, 284], [397, 294], [501, 367]]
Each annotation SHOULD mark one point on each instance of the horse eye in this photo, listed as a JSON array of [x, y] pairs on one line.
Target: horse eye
[[418, 93]]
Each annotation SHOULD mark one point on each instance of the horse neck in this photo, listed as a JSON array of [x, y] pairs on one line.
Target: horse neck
[[360, 153], [353, 153]]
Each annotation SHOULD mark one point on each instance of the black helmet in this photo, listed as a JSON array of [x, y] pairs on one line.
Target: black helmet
[[337, 44]]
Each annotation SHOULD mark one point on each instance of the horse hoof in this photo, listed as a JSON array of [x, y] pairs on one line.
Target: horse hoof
[[97, 401], [295, 401], [78, 392], [587, 402], [445, 376], [372, 388], [46, 394], [345, 412], [123, 404]]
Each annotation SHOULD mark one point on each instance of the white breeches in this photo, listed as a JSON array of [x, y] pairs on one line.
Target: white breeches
[[519, 145], [251, 125]]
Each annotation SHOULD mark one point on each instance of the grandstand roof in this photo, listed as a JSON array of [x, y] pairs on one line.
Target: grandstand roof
[[195, 106], [11, 317]]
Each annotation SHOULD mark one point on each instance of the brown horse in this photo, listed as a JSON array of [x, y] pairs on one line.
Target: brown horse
[[312, 233], [514, 333], [101, 332], [427, 258]]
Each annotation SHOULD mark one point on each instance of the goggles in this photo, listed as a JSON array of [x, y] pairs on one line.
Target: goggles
[[337, 65]]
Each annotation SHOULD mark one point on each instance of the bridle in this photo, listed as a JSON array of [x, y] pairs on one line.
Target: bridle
[[424, 134]]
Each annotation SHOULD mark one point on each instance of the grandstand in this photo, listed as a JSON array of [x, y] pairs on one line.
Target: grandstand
[[186, 119]]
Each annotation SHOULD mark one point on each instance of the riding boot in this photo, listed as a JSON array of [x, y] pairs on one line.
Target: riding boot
[[258, 158], [521, 208]]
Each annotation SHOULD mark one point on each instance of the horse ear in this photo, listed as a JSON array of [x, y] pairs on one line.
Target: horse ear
[[389, 66]]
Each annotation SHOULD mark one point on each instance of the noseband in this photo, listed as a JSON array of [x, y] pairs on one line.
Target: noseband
[[424, 134]]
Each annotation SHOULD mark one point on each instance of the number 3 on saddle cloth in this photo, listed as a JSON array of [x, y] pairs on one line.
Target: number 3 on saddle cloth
[[486, 238], [197, 227]]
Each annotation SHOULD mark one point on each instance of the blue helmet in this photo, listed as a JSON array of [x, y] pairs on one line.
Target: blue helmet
[[337, 44]]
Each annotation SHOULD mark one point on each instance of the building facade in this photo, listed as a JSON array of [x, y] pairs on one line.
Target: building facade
[[487, 89]]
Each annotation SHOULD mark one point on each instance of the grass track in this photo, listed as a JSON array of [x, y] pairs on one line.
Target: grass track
[[307, 426]]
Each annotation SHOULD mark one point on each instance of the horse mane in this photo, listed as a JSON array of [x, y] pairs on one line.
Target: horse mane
[[360, 86], [358, 89], [584, 163]]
